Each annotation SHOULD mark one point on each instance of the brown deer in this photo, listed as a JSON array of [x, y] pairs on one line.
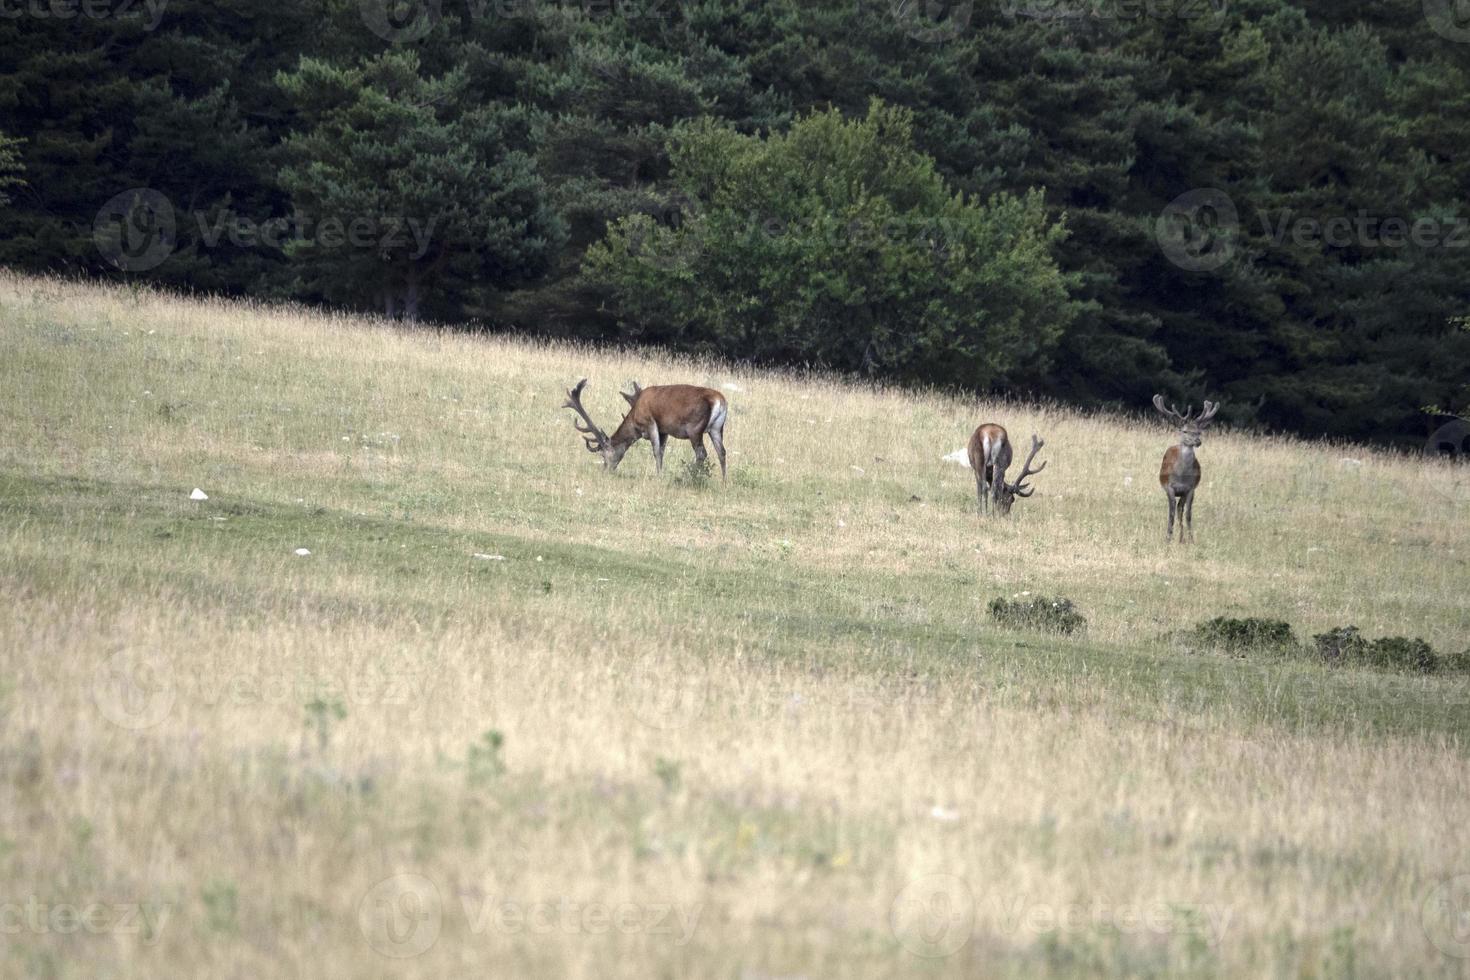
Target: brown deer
[[990, 457], [1179, 474], [657, 413]]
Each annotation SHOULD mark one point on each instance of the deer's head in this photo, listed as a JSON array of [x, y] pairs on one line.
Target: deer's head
[[1191, 427], [597, 440], [1010, 491]]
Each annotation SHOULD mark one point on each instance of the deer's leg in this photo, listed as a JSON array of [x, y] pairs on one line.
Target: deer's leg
[[1188, 516], [980, 489], [1173, 503], [717, 439], [699, 454], [658, 447]]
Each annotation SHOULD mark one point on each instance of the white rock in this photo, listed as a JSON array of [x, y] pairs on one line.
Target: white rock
[[302, 553], [198, 495], [489, 557], [961, 456], [731, 386], [944, 814]]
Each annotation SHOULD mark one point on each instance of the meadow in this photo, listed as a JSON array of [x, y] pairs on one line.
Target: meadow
[[514, 716]]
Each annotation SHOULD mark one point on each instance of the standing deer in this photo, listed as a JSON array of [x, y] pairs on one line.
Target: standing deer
[[1180, 472], [990, 457], [657, 413]]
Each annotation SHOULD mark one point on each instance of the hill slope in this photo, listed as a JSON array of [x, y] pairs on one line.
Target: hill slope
[[511, 715]]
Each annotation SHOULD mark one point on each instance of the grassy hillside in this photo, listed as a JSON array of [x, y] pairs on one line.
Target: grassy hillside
[[513, 716]]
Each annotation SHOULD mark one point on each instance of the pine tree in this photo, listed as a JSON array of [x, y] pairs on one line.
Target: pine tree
[[418, 198]]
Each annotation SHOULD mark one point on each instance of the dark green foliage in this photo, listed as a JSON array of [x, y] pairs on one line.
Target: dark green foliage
[[443, 191], [1401, 653], [1342, 644], [483, 762], [669, 772], [571, 160], [321, 713], [11, 168], [1241, 635], [837, 243], [1038, 613], [1345, 645]]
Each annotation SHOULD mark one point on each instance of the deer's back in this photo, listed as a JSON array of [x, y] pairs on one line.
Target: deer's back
[[678, 409], [989, 439]]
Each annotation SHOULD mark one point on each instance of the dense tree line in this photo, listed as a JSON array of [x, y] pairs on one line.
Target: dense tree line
[[1095, 200]]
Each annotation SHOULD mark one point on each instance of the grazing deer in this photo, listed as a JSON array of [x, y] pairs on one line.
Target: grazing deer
[[1179, 474], [657, 413], [990, 457]]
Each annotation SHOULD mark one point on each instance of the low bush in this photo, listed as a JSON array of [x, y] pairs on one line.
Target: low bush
[[1342, 644], [1345, 645], [1401, 653], [1457, 663], [1040, 613], [1250, 633]]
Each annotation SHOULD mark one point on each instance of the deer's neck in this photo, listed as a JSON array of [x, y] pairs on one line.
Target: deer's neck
[[627, 433]]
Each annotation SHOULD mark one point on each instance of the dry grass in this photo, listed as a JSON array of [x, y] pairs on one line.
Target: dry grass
[[757, 730]]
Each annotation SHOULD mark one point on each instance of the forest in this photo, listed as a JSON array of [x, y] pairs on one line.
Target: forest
[[1261, 202]]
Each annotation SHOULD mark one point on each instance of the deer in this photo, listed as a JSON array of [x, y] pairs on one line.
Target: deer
[[657, 413], [1180, 473], [990, 457]]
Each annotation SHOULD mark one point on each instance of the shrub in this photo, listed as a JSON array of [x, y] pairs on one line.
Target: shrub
[[1250, 633], [1342, 644], [1345, 645], [809, 245], [484, 763], [1458, 663], [1040, 613], [1401, 653]]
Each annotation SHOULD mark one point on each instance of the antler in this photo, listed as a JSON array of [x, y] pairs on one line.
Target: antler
[[1019, 486], [595, 438], [1206, 416], [1171, 412]]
